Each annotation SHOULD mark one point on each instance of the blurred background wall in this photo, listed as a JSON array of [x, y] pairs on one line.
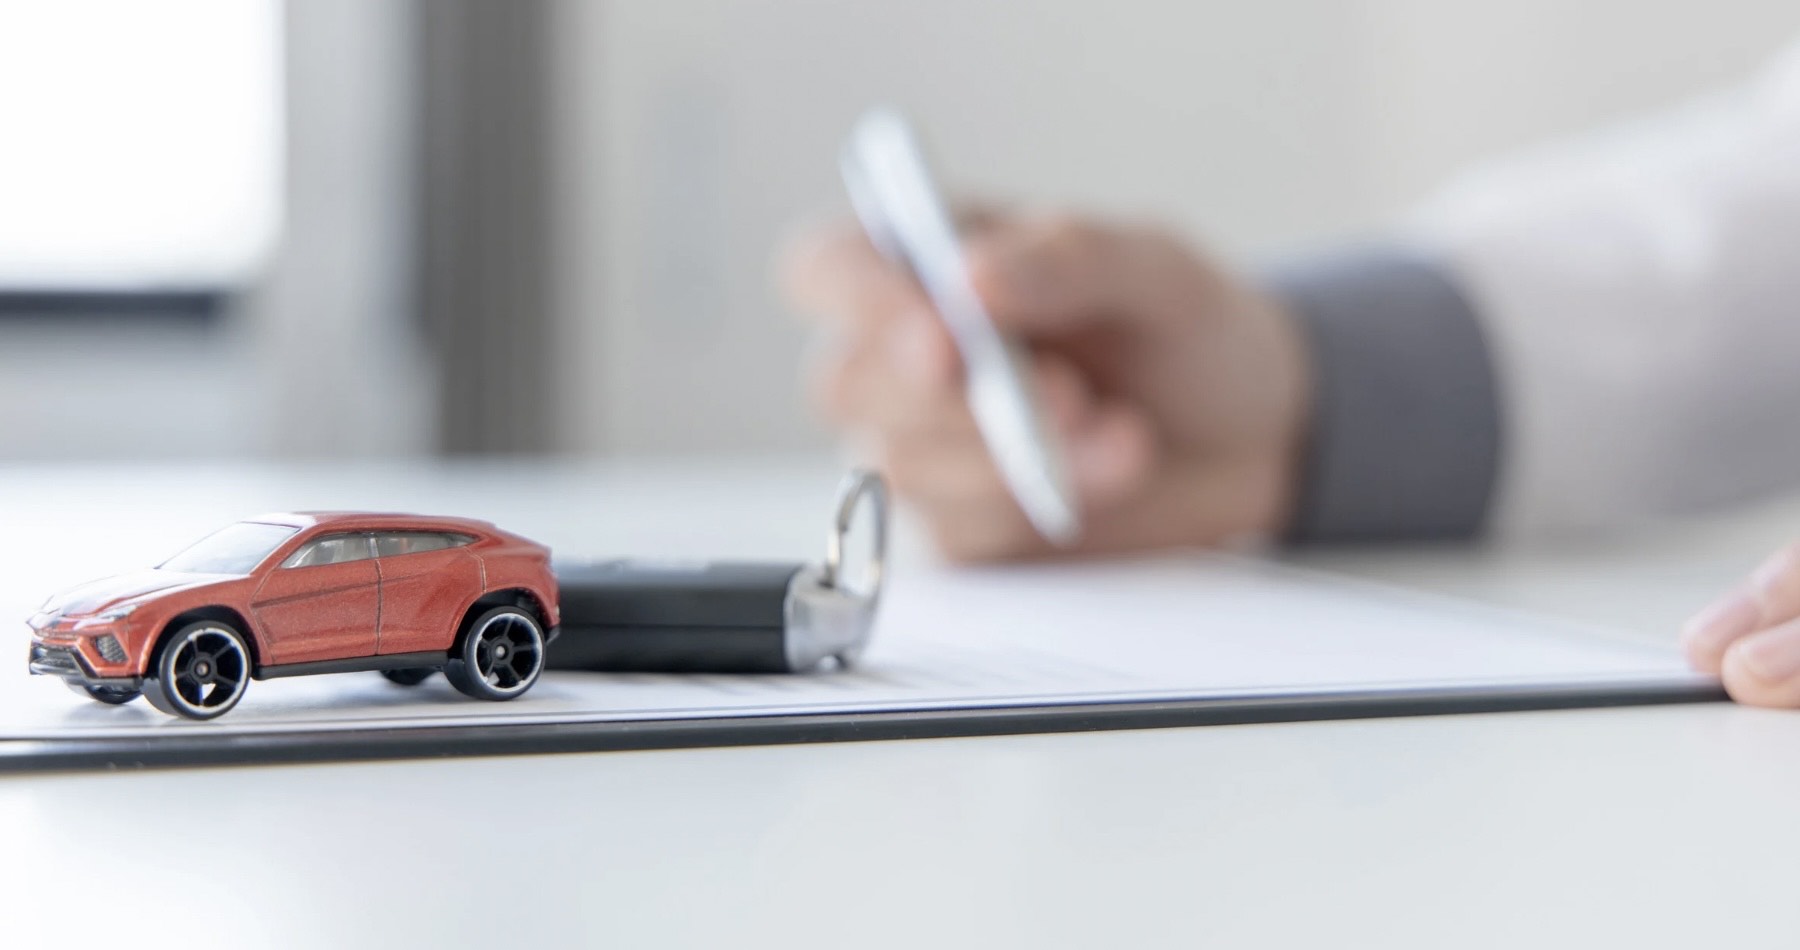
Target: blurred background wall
[[520, 226]]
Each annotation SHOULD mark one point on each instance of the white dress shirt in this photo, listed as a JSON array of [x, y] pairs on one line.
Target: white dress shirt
[[1639, 293]]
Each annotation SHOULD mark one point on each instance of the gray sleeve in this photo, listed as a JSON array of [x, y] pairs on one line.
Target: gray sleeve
[[1405, 431]]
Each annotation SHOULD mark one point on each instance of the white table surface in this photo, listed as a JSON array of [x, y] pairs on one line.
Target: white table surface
[[1662, 826]]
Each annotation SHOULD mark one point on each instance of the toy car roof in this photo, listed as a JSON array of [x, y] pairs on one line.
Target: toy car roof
[[374, 520]]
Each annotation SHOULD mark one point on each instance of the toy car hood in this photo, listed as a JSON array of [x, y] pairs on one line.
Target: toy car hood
[[95, 596]]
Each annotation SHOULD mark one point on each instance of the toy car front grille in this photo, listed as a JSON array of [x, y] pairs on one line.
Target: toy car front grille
[[54, 658], [109, 648]]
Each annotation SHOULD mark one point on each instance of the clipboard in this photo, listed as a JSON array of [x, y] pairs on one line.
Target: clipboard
[[1195, 640]]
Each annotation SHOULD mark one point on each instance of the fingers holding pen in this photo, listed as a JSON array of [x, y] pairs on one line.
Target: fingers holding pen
[[890, 372], [948, 469]]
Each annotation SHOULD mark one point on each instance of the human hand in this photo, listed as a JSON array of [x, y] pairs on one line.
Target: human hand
[[1179, 390], [1751, 637]]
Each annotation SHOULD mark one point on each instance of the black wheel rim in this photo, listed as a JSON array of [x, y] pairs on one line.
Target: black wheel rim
[[207, 670], [507, 650]]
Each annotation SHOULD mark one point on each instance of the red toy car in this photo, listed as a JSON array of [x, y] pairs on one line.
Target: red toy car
[[293, 594]]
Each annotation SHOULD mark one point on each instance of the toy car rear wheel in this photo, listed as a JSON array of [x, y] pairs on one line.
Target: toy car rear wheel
[[110, 695], [410, 676], [500, 655], [200, 672]]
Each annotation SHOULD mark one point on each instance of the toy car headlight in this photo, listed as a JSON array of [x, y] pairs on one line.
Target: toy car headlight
[[117, 613]]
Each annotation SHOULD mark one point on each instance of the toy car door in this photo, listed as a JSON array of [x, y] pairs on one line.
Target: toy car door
[[321, 603], [428, 579]]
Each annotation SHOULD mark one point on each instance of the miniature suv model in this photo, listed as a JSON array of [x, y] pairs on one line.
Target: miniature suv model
[[319, 592]]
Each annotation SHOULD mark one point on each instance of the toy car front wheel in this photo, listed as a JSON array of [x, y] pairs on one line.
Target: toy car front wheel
[[409, 676], [200, 672], [110, 695], [500, 655]]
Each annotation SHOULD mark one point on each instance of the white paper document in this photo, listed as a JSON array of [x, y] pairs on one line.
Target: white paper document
[[1188, 628]]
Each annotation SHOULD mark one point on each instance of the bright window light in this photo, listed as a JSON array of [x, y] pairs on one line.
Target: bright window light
[[142, 142]]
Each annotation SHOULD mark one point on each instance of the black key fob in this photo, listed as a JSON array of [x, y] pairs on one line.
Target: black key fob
[[723, 616]]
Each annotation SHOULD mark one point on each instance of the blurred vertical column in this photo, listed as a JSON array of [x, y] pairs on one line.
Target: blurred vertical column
[[484, 221], [337, 368]]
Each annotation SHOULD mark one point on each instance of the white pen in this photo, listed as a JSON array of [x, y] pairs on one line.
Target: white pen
[[899, 206]]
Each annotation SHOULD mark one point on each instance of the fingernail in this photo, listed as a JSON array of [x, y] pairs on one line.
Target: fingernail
[[1770, 656], [1722, 622]]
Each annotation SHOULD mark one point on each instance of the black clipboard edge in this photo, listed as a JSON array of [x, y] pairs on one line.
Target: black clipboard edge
[[192, 748]]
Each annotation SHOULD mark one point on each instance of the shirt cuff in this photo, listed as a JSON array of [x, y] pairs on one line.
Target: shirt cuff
[[1406, 428]]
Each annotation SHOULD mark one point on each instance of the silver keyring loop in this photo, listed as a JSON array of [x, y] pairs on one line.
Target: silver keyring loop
[[856, 486]]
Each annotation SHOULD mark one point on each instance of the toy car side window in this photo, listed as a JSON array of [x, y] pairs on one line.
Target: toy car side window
[[331, 549], [397, 543]]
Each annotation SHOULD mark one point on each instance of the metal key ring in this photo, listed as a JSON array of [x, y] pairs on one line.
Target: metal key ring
[[856, 486]]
